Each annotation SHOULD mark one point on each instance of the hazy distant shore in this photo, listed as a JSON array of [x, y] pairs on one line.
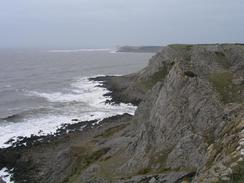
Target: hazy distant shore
[[140, 49]]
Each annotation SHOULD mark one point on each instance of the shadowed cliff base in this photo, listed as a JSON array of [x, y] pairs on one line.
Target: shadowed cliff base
[[189, 126]]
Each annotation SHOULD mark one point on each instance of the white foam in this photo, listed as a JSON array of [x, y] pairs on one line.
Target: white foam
[[57, 96], [114, 51], [82, 90], [5, 175], [82, 50]]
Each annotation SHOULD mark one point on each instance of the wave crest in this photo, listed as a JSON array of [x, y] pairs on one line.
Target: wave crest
[[85, 100], [83, 50]]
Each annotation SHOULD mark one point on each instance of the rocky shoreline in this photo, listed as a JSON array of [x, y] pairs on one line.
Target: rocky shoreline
[[11, 157], [116, 90]]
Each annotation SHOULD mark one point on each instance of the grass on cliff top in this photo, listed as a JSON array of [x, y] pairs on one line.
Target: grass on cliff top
[[227, 91], [183, 49], [111, 131], [84, 159], [181, 46], [221, 59]]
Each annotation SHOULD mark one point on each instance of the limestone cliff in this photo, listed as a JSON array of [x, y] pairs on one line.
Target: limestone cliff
[[190, 121]]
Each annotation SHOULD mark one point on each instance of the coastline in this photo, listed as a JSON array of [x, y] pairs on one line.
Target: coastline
[[89, 92], [117, 86], [66, 134], [185, 129]]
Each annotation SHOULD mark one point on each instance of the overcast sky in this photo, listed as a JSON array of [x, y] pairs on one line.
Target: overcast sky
[[107, 23]]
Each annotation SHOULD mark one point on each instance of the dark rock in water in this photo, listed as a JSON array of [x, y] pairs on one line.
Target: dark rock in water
[[74, 120], [13, 118], [9, 141], [184, 130], [118, 87]]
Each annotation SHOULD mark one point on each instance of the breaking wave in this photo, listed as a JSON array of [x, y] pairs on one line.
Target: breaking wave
[[84, 100], [83, 50]]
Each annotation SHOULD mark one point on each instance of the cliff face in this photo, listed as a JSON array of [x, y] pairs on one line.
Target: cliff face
[[191, 115], [189, 125], [191, 120]]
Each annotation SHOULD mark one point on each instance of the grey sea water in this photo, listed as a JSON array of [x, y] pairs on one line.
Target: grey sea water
[[43, 89]]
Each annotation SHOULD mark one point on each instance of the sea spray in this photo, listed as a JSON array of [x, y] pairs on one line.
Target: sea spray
[[84, 100]]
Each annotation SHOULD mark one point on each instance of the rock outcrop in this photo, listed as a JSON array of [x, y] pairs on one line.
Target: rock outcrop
[[189, 125], [192, 118]]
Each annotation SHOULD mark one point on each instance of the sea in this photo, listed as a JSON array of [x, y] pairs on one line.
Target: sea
[[40, 90]]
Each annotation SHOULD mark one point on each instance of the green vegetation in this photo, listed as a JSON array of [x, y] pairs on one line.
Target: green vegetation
[[143, 171], [111, 131], [227, 91], [209, 138], [95, 156], [238, 174], [181, 46], [83, 160], [239, 44], [153, 79], [221, 59], [183, 49], [158, 158], [220, 54]]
